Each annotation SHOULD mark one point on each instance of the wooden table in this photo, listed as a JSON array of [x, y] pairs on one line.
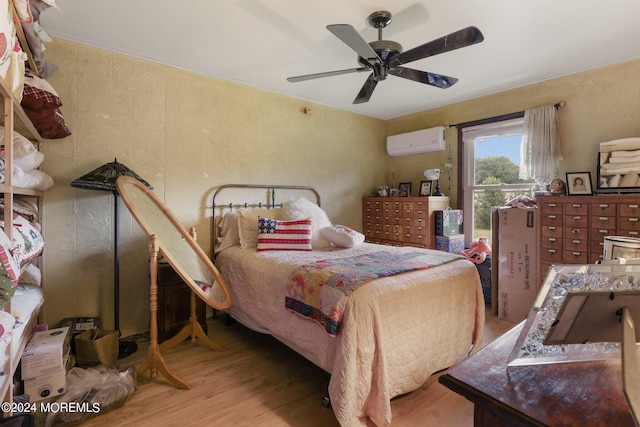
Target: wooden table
[[560, 394]]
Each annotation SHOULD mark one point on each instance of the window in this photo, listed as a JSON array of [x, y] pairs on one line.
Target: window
[[490, 165]]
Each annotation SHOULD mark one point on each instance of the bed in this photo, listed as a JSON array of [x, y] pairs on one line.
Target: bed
[[413, 312]]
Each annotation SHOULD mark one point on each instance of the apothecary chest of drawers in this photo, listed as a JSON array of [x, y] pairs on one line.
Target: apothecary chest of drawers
[[572, 228], [401, 221]]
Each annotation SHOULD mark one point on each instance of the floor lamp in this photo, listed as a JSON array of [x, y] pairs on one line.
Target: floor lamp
[[104, 179]]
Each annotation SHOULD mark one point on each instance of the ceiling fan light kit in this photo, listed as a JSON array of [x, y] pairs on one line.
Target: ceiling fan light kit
[[386, 57]]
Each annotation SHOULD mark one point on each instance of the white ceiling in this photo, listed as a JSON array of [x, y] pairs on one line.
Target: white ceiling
[[262, 42]]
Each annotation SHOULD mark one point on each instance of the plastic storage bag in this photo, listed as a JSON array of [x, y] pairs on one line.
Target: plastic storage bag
[[91, 392]]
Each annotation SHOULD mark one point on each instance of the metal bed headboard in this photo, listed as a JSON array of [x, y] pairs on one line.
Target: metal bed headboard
[[219, 209]]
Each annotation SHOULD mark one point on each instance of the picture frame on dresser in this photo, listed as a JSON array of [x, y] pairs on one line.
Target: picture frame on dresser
[[404, 189], [425, 188], [579, 183]]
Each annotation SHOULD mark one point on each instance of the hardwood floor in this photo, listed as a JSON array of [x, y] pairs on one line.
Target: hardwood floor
[[257, 381]]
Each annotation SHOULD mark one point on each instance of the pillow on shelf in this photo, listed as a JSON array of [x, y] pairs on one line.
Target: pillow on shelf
[[42, 105], [27, 243], [284, 235], [9, 262], [31, 275], [342, 237], [25, 154], [33, 179], [303, 208], [248, 224]]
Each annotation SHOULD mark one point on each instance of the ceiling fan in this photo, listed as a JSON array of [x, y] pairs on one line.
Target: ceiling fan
[[384, 57]]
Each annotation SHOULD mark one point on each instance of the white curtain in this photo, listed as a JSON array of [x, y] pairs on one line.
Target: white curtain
[[540, 150]]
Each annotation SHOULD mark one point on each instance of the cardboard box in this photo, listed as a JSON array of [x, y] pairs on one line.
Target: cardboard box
[[448, 222], [517, 262], [45, 386], [453, 244], [44, 353], [95, 347], [78, 325]]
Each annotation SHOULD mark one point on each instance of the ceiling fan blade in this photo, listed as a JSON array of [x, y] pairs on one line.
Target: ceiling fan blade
[[366, 91], [462, 38], [326, 74], [351, 38], [437, 80]]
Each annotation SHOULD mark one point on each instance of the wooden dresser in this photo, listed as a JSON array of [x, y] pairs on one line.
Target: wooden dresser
[[553, 394], [174, 303], [402, 221], [572, 228]]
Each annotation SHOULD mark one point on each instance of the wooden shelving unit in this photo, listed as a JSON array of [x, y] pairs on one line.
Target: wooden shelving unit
[[14, 115]]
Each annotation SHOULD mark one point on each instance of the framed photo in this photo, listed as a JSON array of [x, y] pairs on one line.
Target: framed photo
[[618, 167], [425, 188], [541, 342], [404, 189], [394, 192], [579, 183]]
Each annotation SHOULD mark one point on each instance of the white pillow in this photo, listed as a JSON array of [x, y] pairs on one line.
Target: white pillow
[[33, 179], [25, 154], [31, 275], [248, 224], [229, 233], [303, 208], [342, 237]]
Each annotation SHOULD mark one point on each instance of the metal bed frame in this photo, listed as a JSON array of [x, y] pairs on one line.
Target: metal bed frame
[[219, 209]]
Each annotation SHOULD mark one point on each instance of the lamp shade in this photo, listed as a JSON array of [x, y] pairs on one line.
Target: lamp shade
[[432, 174], [104, 177]]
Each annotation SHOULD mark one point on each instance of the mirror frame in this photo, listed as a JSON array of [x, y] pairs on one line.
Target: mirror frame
[[126, 184]]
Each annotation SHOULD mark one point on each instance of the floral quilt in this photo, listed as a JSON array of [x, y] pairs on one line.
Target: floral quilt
[[319, 290]]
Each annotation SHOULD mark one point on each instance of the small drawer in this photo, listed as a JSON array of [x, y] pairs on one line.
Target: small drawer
[[551, 209], [629, 233], [408, 205], [603, 221], [551, 255], [419, 213], [575, 257], [551, 219], [629, 209], [605, 209], [576, 209], [575, 245], [576, 220], [629, 223], [576, 233], [551, 242], [551, 231]]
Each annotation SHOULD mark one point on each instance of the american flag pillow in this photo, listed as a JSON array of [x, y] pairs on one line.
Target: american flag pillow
[[284, 235]]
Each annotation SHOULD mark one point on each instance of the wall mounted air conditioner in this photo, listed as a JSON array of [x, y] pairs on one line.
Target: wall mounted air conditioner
[[420, 141]]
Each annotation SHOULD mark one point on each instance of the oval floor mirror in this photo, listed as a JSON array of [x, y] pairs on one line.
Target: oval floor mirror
[[186, 257]]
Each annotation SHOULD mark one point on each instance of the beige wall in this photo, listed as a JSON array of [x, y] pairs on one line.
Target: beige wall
[[186, 134], [602, 105]]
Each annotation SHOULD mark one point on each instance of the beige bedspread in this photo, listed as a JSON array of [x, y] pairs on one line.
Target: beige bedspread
[[397, 331]]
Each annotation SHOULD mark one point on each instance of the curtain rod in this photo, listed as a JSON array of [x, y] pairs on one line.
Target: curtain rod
[[557, 105]]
